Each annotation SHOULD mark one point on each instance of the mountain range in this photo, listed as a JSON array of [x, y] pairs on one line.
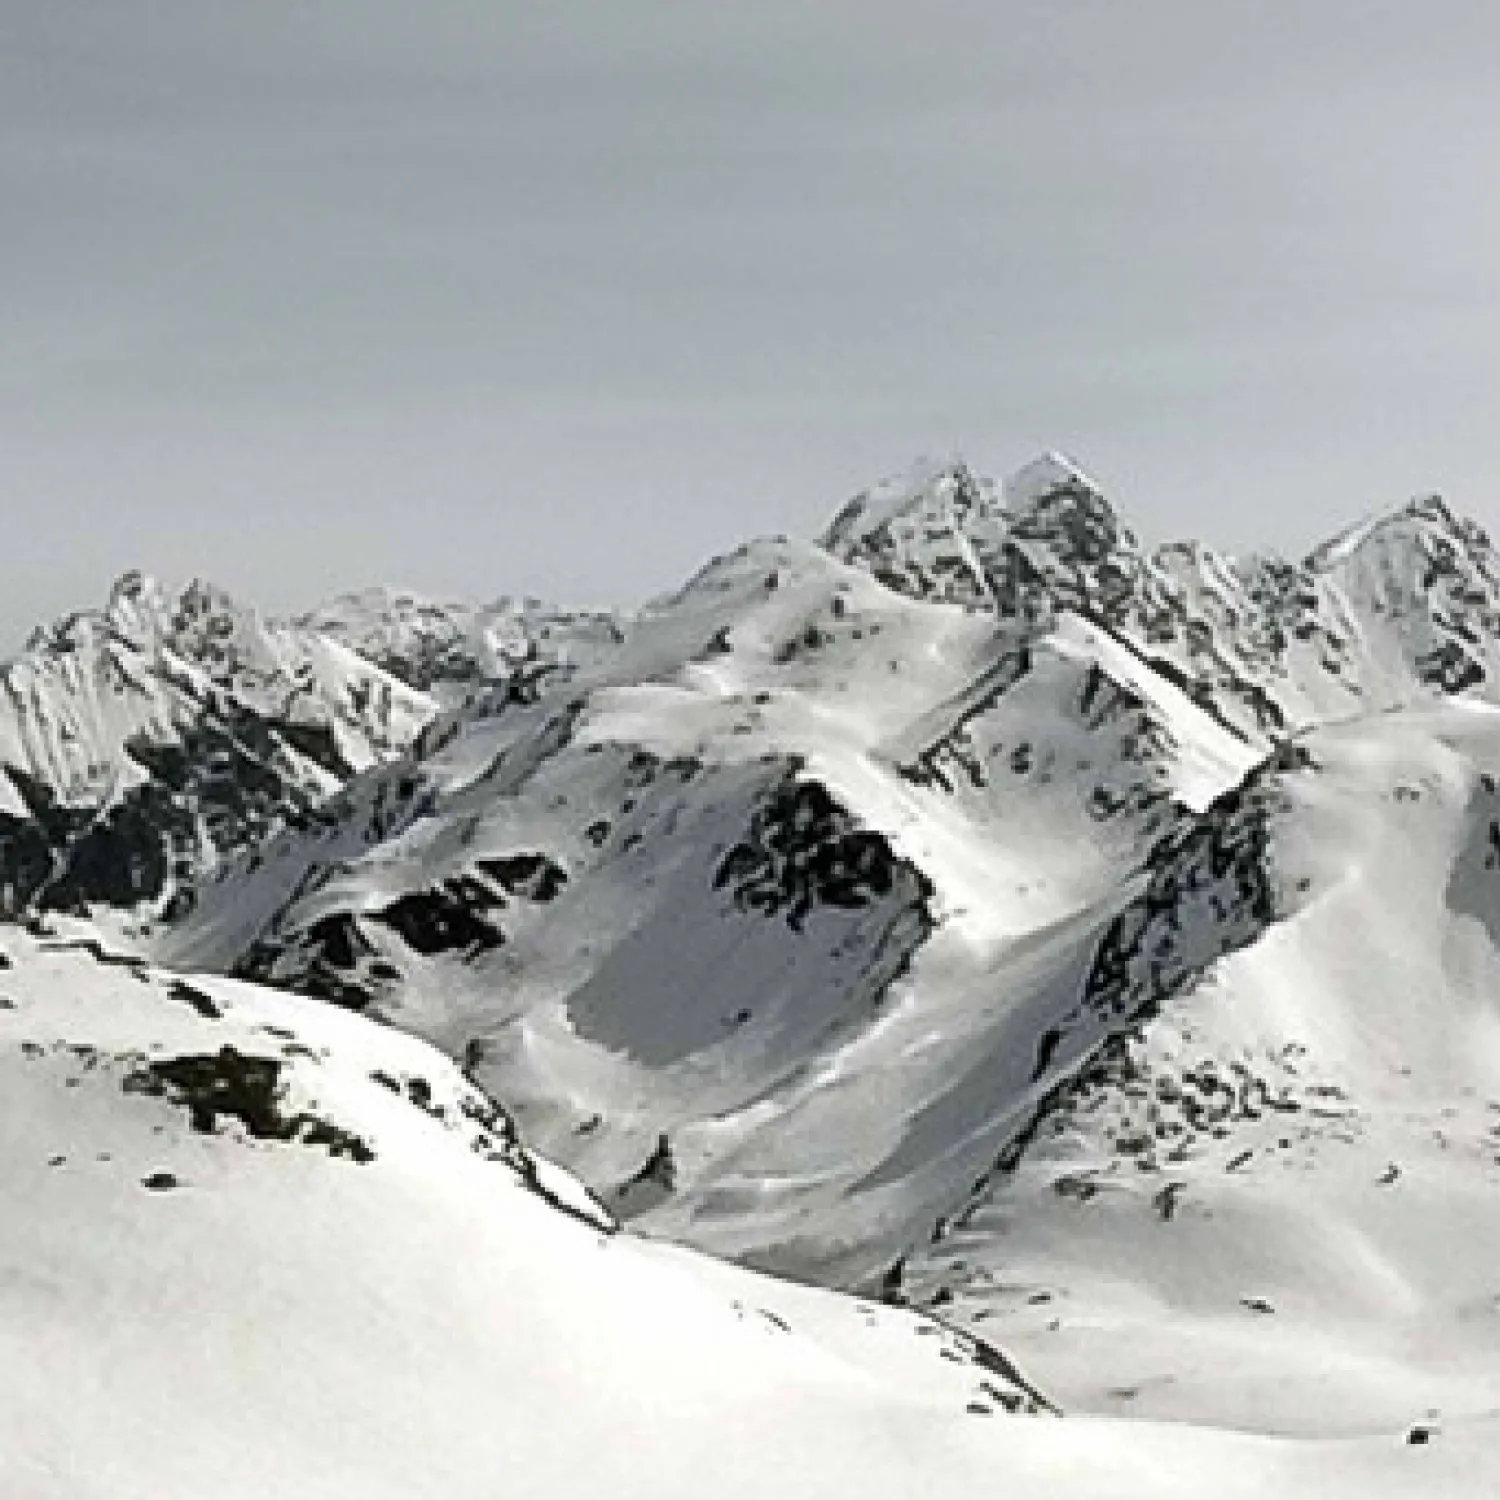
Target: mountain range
[[894, 989]]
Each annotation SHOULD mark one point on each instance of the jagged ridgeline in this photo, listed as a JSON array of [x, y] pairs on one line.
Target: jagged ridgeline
[[144, 744], [808, 912]]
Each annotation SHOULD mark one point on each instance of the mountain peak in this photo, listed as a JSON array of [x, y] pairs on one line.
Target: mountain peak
[[135, 609], [1423, 514], [1052, 500], [1045, 476], [924, 486], [137, 606], [134, 584], [1433, 509]]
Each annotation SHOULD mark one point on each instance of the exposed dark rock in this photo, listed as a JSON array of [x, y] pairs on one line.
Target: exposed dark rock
[[803, 852], [229, 1085], [190, 995], [534, 877], [438, 920]]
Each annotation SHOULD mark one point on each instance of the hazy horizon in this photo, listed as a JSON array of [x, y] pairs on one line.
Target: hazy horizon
[[308, 297]]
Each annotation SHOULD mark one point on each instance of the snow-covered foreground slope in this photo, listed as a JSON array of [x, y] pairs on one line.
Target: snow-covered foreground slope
[[266, 1247]]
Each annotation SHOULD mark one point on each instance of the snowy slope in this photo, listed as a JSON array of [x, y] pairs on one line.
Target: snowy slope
[[453, 651], [270, 1248], [1276, 1202], [776, 915]]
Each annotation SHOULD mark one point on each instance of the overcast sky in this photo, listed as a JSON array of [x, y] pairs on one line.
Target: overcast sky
[[556, 297]]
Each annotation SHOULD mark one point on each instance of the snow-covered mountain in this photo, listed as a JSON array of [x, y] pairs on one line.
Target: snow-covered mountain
[[657, 902], [975, 907], [453, 650], [142, 744], [1272, 1199]]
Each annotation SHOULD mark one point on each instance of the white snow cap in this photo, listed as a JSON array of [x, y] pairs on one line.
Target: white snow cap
[[1042, 476], [137, 606], [875, 507]]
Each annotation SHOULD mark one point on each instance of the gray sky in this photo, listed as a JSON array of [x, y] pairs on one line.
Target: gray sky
[[561, 297]]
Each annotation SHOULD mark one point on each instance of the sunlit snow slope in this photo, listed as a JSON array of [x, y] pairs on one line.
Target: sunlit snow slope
[[267, 1247], [1274, 1202]]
